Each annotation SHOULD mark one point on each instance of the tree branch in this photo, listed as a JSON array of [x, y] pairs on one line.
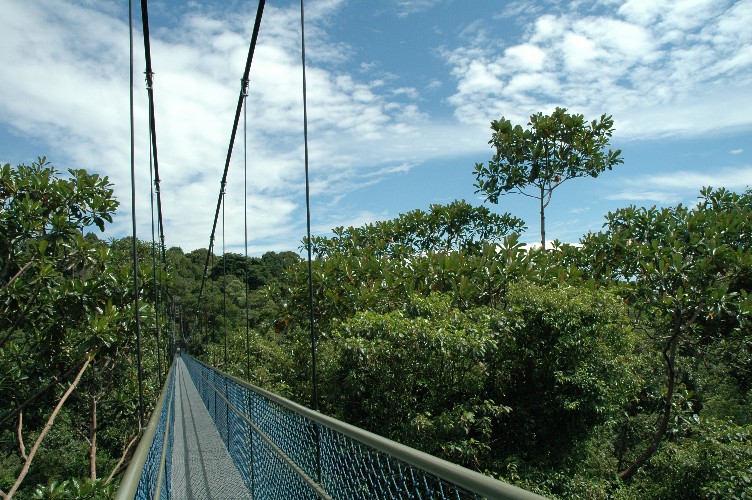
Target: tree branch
[[93, 440], [119, 465], [548, 197], [21, 447], [523, 193], [8, 257], [47, 428], [39, 393], [20, 317], [18, 275], [669, 354]]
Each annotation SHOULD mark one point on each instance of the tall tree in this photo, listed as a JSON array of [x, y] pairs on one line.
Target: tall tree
[[65, 322], [687, 273], [554, 149]]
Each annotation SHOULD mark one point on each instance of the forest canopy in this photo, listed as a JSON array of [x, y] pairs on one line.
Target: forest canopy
[[619, 367]]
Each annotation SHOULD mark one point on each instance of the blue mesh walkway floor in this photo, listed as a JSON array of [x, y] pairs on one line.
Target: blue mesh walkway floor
[[201, 466]]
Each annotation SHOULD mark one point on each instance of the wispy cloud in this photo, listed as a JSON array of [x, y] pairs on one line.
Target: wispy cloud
[[407, 7], [635, 195], [66, 82], [579, 210], [737, 178], [645, 63], [681, 185]]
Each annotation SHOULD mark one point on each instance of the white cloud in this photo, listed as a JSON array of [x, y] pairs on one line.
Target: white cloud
[[641, 11], [407, 7], [547, 28], [579, 210], [357, 219], [680, 185], [736, 178], [523, 84], [525, 57], [736, 151], [481, 78], [408, 92], [580, 53], [67, 83], [634, 195], [660, 68], [435, 84]]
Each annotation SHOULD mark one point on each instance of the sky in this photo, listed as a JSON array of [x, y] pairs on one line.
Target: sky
[[400, 97]]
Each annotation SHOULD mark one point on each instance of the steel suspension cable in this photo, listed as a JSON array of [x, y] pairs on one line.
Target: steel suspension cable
[[245, 232], [155, 181], [210, 353], [223, 182], [133, 219], [154, 266], [224, 285], [152, 120], [314, 377]]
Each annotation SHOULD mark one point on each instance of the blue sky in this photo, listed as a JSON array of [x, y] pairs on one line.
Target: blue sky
[[400, 94]]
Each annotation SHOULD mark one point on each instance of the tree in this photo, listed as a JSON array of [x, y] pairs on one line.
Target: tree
[[260, 270], [554, 149], [417, 375], [277, 263], [687, 273], [66, 312], [456, 226]]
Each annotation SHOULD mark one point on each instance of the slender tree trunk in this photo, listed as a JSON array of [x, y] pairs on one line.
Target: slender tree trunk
[[46, 429], [663, 424], [542, 218], [21, 447], [121, 465], [93, 440], [17, 275]]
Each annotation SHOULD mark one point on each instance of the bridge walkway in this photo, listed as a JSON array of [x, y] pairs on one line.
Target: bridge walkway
[[278, 448], [201, 466]]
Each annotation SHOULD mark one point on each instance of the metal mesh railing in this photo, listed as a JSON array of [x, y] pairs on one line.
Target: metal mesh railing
[[283, 450], [156, 473], [149, 471]]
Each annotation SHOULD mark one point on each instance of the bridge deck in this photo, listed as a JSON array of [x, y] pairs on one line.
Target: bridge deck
[[201, 466]]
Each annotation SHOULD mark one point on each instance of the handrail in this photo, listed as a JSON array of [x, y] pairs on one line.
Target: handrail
[[165, 447], [129, 484], [313, 484], [467, 479]]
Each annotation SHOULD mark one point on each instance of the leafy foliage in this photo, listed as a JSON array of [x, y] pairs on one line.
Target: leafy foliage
[[688, 273], [572, 344], [554, 369], [555, 148], [74, 489], [443, 228], [64, 299], [417, 375]]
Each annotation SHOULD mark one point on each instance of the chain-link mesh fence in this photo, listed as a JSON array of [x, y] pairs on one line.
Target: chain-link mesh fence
[[155, 475], [283, 450]]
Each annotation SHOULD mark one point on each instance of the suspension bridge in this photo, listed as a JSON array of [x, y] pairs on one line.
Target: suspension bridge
[[214, 436]]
